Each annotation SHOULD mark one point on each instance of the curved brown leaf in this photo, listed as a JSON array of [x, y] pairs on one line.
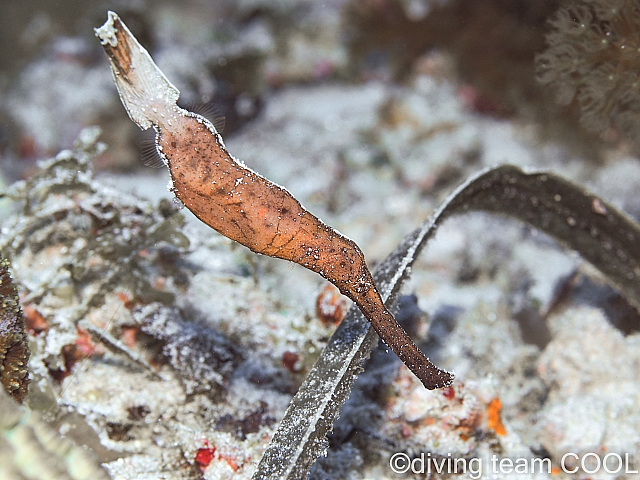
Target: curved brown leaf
[[575, 217]]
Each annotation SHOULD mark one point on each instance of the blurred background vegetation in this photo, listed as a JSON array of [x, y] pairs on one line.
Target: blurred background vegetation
[[235, 53]]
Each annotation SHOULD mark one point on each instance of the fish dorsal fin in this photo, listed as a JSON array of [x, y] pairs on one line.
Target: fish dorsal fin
[[211, 112], [149, 152]]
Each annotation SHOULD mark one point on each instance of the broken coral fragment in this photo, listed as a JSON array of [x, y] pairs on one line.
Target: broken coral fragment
[[31, 449], [14, 348]]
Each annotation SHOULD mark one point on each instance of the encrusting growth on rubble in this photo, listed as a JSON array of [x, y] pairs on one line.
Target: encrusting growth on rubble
[[14, 348], [241, 204]]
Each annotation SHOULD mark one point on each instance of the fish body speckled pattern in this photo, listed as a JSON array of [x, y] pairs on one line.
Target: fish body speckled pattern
[[241, 204]]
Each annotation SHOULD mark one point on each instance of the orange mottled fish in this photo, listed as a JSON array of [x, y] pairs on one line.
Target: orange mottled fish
[[241, 204]]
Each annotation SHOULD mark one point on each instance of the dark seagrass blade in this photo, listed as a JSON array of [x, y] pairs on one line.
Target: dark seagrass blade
[[576, 218]]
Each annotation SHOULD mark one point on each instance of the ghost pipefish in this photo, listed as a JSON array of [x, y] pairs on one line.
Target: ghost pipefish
[[241, 204]]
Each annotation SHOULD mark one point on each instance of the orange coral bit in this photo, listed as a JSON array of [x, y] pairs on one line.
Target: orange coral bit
[[243, 205], [494, 422]]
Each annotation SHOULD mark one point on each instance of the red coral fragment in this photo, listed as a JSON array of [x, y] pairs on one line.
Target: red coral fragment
[[289, 360], [205, 455], [230, 461], [34, 320], [129, 335], [84, 345], [126, 300], [82, 348], [449, 393], [331, 306], [405, 430]]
